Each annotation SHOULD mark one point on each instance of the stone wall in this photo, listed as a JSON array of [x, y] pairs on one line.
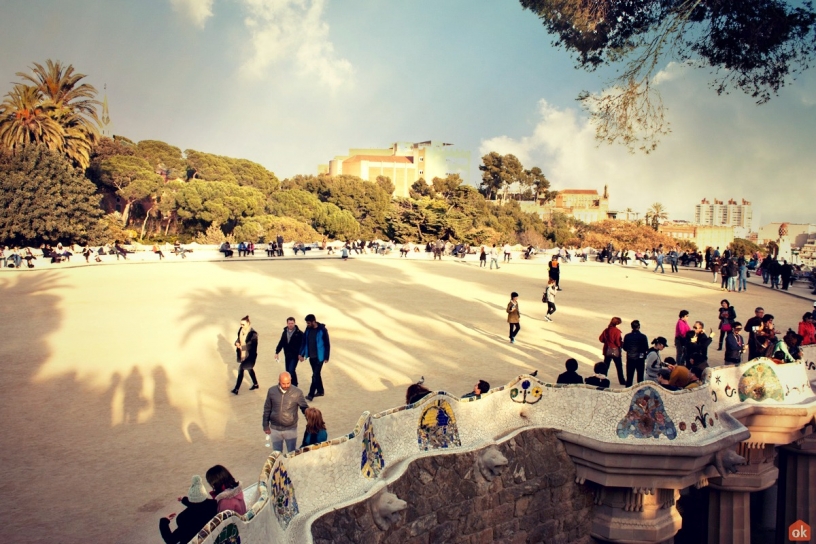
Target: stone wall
[[534, 499]]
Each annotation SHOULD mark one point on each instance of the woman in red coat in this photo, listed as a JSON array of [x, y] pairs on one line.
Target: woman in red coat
[[807, 330], [611, 340]]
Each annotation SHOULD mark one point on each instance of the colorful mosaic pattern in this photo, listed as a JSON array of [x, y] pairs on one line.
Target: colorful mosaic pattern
[[283, 496], [526, 392], [760, 383], [437, 427], [372, 461], [647, 417], [229, 535]]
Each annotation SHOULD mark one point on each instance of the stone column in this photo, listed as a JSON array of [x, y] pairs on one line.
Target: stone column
[[729, 506], [796, 499], [625, 514]]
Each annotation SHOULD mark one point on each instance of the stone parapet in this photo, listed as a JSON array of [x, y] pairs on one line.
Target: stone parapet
[[642, 441]]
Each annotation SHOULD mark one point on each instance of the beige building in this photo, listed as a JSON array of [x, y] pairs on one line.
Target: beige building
[[583, 204], [403, 162], [798, 234], [702, 235]]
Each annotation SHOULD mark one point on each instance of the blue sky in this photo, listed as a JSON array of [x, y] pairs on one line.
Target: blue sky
[[291, 83]]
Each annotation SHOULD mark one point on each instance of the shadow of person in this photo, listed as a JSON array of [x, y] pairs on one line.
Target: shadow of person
[[226, 349], [133, 401]]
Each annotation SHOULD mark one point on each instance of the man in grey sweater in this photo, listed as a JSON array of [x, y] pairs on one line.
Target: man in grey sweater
[[280, 413]]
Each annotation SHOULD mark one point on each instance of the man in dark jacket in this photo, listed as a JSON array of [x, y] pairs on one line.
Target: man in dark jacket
[[316, 347], [289, 342], [246, 350], [280, 415], [571, 375], [635, 344]]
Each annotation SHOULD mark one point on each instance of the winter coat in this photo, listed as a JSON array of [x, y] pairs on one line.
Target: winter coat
[[281, 409], [291, 348], [251, 348], [611, 339], [513, 314], [323, 345], [189, 521], [231, 499]]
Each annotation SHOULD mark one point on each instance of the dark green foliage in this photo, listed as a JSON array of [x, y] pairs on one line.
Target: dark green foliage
[[241, 171], [162, 156], [44, 199], [756, 43]]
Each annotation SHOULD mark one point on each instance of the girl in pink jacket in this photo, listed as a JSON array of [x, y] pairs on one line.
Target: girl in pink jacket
[[226, 490]]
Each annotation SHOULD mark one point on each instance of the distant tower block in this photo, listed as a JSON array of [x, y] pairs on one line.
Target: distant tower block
[[105, 121]]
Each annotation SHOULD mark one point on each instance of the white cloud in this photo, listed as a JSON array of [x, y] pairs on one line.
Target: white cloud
[[293, 31], [197, 10], [720, 147]]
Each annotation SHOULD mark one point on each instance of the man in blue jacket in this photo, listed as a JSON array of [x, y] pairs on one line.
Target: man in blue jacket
[[315, 346]]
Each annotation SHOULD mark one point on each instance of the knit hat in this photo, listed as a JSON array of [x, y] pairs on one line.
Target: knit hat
[[197, 491]]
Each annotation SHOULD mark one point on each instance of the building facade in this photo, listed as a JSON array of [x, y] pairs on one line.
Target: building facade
[[735, 214], [583, 204], [403, 162], [703, 236]]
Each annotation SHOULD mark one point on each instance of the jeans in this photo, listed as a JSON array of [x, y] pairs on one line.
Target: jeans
[[279, 437], [291, 368], [673, 269], [316, 388], [493, 260], [618, 366], [765, 276], [732, 283], [634, 365], [514, 329], [742, 282], [660, 266]]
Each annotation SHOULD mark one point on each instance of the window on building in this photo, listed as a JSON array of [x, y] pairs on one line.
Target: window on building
[[421, 172], [422, 159]]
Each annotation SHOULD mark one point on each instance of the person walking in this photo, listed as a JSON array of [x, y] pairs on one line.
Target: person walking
[[280, 414], [549, 299], [659, 261], [506, 250], [673, 257], [483, 258], [611, 340], [316, 347], [727, 316], [555, 272], [494, 257], [246, 349], [289, 343], [742, 278], [635, 344], [315, 428], [513, 316]]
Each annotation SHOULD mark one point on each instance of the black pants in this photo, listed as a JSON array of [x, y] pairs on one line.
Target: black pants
[[550, 308], [634, 365], [514, 329], [291, 368], [618, 366], [722, 337], [317, 382], [557, 278], [674, 266], [241, 376]]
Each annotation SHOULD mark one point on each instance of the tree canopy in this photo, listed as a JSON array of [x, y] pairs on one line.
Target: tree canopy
[[755, 46], [44, 199]]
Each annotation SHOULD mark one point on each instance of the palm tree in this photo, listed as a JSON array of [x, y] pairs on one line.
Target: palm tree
[[656, 214], [25, 118], [72, 106]]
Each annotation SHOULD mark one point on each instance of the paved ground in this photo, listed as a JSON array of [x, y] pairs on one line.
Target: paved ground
[[117, 378]]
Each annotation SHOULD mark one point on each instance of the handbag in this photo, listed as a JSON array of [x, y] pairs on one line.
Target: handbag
[[725, 327]]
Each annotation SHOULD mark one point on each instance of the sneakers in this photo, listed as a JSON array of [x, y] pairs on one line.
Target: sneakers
[[256, 386], [512, 340], [309, 398], [234, 391], [548, 318]]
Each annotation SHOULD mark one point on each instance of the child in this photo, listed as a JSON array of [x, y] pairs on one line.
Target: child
[[226, 490], [200, 510]]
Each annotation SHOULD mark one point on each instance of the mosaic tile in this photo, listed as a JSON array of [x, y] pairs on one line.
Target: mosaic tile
[[229, 535], [437, 427], [527, 391], [283, 496], [760, 383], [372, 461], [647, 417]]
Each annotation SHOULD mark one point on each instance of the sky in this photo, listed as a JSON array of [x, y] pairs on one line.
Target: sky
[[292, 83]]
